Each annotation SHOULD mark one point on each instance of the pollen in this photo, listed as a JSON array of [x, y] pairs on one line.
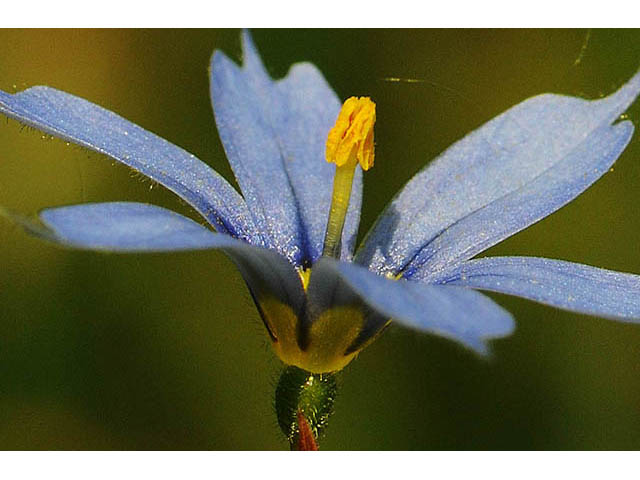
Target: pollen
[[351, 138]]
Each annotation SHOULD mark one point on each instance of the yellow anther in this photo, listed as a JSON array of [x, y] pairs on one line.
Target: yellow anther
[[305, 275], [351, 138], [350, 142]]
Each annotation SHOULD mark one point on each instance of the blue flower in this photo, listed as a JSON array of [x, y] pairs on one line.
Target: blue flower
[[415, 266]]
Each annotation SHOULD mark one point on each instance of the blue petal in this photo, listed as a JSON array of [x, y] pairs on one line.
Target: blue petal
[[139, 227], [126, 227], [458, 313], [503, 156], [505, 216], [571, 286], [79, 121], [274, 134]]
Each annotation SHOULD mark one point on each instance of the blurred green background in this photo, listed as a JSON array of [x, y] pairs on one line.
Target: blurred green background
[[166, 351]]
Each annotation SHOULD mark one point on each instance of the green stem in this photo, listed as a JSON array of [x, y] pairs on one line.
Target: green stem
[[304, 403]]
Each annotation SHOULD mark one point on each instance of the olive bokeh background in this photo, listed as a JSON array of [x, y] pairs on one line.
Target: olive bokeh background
[[166, 351]]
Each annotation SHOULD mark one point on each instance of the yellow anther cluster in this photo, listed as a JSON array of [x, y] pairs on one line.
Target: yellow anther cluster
[[351, 139]]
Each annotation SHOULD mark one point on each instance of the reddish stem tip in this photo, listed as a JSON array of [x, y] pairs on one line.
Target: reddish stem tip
[[306, 440]]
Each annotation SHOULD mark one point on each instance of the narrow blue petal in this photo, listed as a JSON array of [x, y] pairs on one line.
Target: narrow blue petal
[[303, 135], [274, 135], [499, 158], [571, 286], [505, 216], [139, 227], [81, 122], [126, 227], [304, 107], [457, 313]]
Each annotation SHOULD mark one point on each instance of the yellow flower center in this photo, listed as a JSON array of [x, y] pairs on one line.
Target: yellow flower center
[[305, 275], [332, 339]]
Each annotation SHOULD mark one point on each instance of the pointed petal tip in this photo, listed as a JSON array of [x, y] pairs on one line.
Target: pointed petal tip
[[220, 62], [250, 56], [625, 95], [30, 225], [634, 82], [216, 57], [483, 345], [247, 40], [481, 348]]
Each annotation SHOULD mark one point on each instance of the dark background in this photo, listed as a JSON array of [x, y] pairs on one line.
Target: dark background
[[166, 351]]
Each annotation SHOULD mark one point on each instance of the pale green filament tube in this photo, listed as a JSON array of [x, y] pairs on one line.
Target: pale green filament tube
[[339, 205]]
